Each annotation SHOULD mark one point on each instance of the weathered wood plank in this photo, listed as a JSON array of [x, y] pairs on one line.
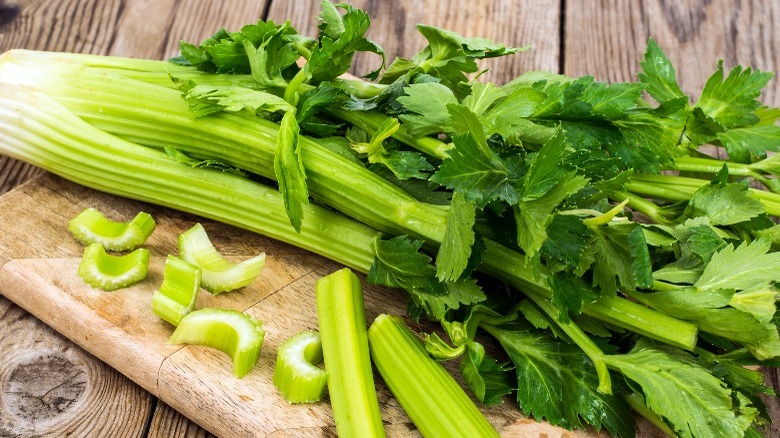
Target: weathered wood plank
[[51, 387], [168, 423], [515, 23]]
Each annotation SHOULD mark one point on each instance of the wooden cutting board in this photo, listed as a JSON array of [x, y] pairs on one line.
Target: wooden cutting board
[[39, 260]]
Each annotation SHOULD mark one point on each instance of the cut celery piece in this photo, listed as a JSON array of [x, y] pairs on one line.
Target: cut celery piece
[[91, 226], [233, 332], [295, 375], [177, 294], [345, 349], [434, 401], [111, 272], [218, 275]]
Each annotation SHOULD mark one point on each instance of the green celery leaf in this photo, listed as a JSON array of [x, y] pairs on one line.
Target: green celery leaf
[[557, 382], [472, 167], [725, 204], [692, 400], [569, 293], [661, 135], [567, 238], [207, 99], [745, 267], [203, 164], [640, 258], [658, 75], [314, 100], [403, 164], [487, 378], [745, 144], [732, 101], [586, 99], [545, 170], [455, 249], [761, 302], [270, 52], [482, 97], [429, 102], [289, 170], [340, 37], [610, 254]]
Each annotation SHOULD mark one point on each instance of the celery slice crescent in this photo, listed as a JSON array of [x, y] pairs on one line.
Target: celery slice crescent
[[111, 272], [178, 292], [233, 332], [295, 375], [91, 226], [218, 274]]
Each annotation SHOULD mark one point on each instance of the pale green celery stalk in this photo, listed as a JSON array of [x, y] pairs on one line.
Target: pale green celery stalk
[[342, 321], [642, 205], [637, 403], [91, 226], [434, 401], [680, 188], [218, 274], [111, 272], [233, 332], [36, 129], [107, 102], [714, 165], [295, 374], [178, 292], [247, 142]]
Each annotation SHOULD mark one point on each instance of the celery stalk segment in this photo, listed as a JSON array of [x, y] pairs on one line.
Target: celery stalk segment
[[233, 332], [434, 401], [296, 375], [91, 226], [342, 321], [111, 272], [178, 292], [218, 274]]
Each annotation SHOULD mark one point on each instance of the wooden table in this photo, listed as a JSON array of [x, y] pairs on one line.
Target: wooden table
[[601, 38]]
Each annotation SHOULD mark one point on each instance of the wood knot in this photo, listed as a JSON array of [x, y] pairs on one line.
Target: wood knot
[[7, 13], [40, 389]]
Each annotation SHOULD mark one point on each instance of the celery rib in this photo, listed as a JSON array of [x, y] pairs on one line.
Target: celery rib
[[111, 272], [295, 373], [342, 321], [178, 292], [91, 226]]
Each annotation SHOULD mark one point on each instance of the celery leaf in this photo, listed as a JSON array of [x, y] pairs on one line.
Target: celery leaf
[[732, 101], [455, 250], [743, 144], [488, 379], [289, 170], [658, 75]]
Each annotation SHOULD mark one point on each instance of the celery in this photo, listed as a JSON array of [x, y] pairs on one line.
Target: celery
[[233, 332], [295, 374], [434, 401], [218, 275], [179, 290], [91, 226], [111, 272], [342, 323]]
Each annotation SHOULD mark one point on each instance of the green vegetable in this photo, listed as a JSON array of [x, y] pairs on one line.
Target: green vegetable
[[111, 272], [295, 374], [342, 321], [218, 274], [178, 292], [91, 226], [434, 401], [233, 332]]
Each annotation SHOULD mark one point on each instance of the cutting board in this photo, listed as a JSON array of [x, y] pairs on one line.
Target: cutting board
[[39, 274]]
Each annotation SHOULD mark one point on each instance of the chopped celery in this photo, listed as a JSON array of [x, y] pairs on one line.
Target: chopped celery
[[434, 401], [218, 275], [295, 375], [236, 333], [345, 348], [91, 226], [176, 296], [111, 272]]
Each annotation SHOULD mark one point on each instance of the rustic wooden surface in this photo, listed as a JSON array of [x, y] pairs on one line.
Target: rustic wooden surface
[[49, 386]]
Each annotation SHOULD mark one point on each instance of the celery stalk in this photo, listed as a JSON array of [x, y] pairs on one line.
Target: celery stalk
[[111, 272], [295, 374], [91, 226], [218, 274], [233, 332], [179, 290], [342, 321], [434, 401]]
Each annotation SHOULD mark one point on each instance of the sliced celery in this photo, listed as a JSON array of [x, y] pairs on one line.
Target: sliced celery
[[345, 349], [218, 275], [111, 272], [91, 226], [236, 333], [177, 294], [434, 401], [295, 375]]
